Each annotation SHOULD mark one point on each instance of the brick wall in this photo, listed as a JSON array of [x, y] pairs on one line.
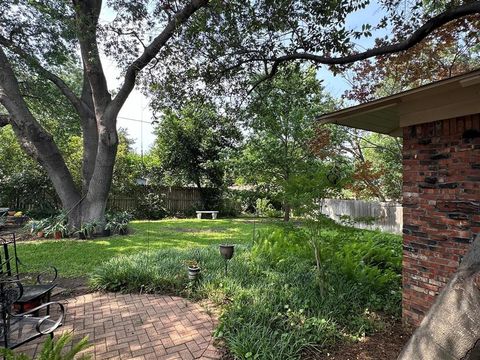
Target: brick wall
[[441, 200]]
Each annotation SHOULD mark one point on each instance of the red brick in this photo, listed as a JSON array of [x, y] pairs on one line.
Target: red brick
[[440, 219]]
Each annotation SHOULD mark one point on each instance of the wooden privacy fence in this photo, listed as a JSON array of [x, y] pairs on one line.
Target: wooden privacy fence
[[386, 216], [174, 199], [33, 202]]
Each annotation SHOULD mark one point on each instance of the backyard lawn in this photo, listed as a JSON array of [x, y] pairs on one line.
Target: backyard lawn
[[298, 289], [277, 301], [74, 257]]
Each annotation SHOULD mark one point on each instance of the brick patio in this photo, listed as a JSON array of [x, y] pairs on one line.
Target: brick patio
[[126, 326]]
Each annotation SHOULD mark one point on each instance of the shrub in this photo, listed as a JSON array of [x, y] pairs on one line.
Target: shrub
[[151, 205], [263, 207]]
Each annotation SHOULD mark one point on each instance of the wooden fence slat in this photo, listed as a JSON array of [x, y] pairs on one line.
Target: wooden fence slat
[[175, 200], [387, 216]]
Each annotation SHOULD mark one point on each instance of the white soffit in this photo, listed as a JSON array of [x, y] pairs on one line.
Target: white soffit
[[444, 99]]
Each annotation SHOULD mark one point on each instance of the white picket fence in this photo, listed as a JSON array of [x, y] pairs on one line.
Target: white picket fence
[[385, 216]]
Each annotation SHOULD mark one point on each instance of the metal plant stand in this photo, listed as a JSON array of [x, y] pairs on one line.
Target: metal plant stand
[[227, 253], [43, 283], [18, 329]]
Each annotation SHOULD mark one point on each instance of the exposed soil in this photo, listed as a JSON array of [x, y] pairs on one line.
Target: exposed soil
[[383, 345], [70, 287]]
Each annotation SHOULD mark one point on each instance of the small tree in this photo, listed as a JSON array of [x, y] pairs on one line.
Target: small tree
[[280, 122]]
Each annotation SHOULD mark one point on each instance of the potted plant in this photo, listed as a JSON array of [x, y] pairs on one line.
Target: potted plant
[[109, 225], [122, 228], [38, 227], [44, 224], [120, 222], [34, 226], [193, 270], [87, 229], [58, 230], [11, 212], [107, 230]]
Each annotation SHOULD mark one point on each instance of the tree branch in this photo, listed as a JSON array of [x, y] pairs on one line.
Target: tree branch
[[153, 49], [416, 37], [32, 137], [77, 103], [87, 15]]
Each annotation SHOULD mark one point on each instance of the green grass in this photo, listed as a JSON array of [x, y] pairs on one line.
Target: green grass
[[275, 303], [74, 257]]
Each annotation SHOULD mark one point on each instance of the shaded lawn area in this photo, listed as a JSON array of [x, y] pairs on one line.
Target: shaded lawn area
[[73, 257]]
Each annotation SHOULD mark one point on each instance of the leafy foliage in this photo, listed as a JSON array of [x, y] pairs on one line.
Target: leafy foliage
[[369, 164], [54, 350], [280, 119], [272, 303], [449, 51], [22, 179], [192, 145]]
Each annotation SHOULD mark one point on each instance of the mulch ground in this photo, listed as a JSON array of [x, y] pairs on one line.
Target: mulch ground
[[383, 345]]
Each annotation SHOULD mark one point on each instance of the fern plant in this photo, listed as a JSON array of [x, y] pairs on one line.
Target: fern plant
[[53, 350]]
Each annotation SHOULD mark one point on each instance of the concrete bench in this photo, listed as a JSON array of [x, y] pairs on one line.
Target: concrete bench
[[213, 213]]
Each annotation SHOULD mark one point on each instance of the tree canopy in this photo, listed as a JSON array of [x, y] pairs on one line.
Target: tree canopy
[[192, 145], [180, 48]]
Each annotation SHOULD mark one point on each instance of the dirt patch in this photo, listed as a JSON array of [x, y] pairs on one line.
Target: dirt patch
[[385, 344], [70, 287]]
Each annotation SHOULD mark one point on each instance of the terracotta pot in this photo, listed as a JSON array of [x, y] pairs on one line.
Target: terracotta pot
[[11, 213], [40, 234], [57, 235]]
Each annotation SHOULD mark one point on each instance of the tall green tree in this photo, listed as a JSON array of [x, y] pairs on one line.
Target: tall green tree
[[281, 122], [371, 162], [192, 145]]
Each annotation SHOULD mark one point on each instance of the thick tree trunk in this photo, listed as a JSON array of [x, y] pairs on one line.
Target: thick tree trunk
[[33, 138], [451, 330], [287, 210], [93, 207], [90, 134]]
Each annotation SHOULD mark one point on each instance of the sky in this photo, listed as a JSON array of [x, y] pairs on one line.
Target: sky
[[136, 115]]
